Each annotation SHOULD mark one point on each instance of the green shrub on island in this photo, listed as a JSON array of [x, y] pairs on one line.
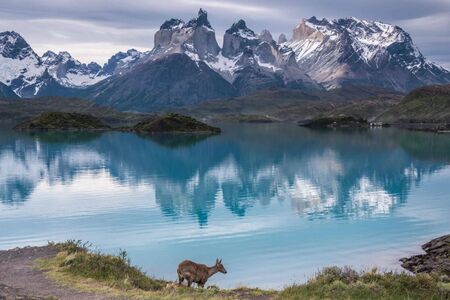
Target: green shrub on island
[[63, 121], [174, 123], [337, 122]]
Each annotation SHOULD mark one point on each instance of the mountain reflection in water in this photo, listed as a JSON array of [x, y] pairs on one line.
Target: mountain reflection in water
[[320, 173], [293, 198]]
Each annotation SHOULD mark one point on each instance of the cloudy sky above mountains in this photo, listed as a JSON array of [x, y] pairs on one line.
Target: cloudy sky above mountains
[[96, 29]]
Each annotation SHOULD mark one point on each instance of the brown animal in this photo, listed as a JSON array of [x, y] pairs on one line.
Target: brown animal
[[198, 273]]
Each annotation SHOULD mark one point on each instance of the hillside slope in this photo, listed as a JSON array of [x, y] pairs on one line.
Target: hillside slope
[[172, 81], [283, 105], [16, 111], [429, 104], [7, 92]]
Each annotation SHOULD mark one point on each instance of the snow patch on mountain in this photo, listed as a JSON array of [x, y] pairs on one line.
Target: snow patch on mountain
[[122, 62], [25, 72], [28, 68], [70, 72], [331, 52], [355, 51]]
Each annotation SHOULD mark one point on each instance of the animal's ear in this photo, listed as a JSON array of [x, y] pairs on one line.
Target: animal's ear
[[220, 261], [217, 261]]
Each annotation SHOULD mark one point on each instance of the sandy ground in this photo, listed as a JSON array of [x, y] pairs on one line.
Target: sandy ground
[[20, 280]]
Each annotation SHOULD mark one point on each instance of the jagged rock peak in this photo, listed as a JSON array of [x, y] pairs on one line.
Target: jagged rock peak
[[11, 37], [316, 21], [120, 61], [51, 58], [240, 28], [266, 36], [237, 38], [201, 20], [49, 54], [172, 23], [237, 26], [304, 29], [121, 54], [282, 39], [13, 45], [94, 67], [366, 32], [335, 52]]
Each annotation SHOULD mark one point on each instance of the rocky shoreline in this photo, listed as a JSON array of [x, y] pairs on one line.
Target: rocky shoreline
[[435, 260]]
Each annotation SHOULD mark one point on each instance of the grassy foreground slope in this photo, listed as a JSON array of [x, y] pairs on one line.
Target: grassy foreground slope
[[430, 104], [82, 269]]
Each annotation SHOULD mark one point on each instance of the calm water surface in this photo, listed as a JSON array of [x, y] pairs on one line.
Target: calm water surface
[[268, 199]]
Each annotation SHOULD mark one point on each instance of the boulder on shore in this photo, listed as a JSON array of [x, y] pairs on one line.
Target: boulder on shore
[[435, 260]]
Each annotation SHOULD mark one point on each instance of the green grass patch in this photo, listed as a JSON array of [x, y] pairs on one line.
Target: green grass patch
[[114, 270], [79, 267], [346, 283], [174, 123]]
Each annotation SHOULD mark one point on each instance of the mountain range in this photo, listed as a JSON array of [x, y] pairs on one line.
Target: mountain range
[[187, 66]]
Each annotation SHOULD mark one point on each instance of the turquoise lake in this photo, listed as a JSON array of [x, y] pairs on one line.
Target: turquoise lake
[[276, 202]]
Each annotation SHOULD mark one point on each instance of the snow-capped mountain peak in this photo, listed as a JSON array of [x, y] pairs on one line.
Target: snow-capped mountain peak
[[266, 36], [19, 64], [26, 73], [68, 71], [14, 46], [237, 38], [201, 20], [172, 24], [195, 38], [240, 29], [49, 55], [121, 62], [336, 52], [332, 52]]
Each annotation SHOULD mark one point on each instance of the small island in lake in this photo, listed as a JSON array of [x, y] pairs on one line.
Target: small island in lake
[[63, 121], [174, 123], [71, 121], [337, 122]]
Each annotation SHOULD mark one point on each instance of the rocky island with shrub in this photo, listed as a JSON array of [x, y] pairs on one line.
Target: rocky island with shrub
[[337, 122], [71, 121], [174, 123]]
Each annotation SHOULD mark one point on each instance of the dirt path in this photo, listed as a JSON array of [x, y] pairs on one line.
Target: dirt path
[[20, 280]]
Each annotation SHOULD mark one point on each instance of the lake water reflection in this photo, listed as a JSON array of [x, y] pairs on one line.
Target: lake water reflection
[[265, 197]]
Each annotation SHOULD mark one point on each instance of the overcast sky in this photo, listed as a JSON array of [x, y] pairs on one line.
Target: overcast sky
[[96, 29]]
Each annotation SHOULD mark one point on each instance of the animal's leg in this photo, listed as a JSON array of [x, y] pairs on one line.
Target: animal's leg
[[189, 282], [180, 279]]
